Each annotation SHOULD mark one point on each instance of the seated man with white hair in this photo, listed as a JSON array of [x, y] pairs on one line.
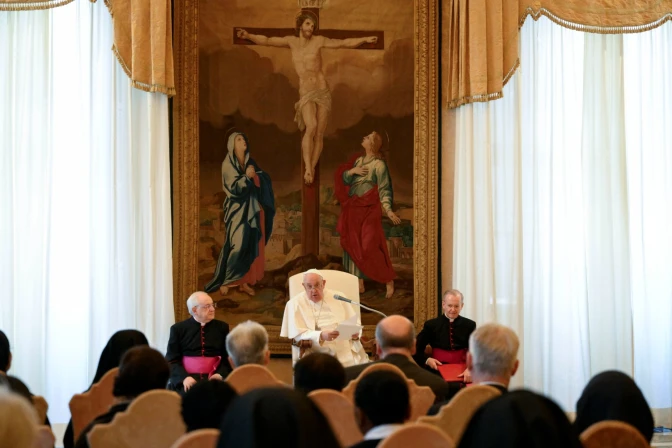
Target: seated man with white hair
[[196, 348], [492, 358], [314, 314], [247, 343]]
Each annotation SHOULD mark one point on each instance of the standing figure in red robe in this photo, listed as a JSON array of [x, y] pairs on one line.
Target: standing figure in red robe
[[363, 188]]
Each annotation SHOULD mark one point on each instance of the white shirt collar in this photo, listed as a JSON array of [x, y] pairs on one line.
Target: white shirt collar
[[381, 431], [452, 320]]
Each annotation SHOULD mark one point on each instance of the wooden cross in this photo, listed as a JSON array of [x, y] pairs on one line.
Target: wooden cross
[[310, 194]]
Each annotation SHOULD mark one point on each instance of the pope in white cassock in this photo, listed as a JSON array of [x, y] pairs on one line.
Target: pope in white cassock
[[314, 314]]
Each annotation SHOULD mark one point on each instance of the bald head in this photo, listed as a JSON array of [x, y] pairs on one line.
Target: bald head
[[395, 334]]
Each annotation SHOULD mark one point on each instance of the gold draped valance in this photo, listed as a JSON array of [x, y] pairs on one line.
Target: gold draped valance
[[481, 39], [142, 38]]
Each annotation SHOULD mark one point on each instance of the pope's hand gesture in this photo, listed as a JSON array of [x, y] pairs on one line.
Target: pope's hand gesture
[[328, 335]]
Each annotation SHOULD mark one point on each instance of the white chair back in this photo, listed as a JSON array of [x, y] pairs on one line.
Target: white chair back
[[343, 282]]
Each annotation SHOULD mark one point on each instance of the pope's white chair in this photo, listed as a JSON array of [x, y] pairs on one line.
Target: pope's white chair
[[343, 282]]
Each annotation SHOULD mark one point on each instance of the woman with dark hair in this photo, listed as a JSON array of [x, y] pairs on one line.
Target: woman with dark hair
[[118, 344], [15, 385], [275, 417], [204, 404], [520, 419], [141, 369], [613, 395], [249, 209]]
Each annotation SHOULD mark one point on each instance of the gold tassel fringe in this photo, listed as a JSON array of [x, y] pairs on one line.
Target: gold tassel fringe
[[593, 28], [35, 6], [170, 91], [484, 98]]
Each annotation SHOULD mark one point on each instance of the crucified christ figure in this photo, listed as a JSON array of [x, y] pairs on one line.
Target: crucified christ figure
[[312, 109]]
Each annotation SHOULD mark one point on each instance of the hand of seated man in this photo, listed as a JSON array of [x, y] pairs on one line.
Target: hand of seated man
[[216, 376], [188, 382], [466, 376], [433, 363]]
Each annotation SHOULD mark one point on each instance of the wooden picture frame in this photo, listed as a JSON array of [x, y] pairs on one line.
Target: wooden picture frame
[[426, 187]]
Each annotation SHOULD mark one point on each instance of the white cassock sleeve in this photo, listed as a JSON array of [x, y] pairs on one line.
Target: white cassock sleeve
[[294, 325]]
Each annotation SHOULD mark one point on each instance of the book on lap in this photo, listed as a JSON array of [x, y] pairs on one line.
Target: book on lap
[[449, 372]]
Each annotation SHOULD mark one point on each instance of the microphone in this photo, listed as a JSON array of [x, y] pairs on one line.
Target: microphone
[[343, 299]]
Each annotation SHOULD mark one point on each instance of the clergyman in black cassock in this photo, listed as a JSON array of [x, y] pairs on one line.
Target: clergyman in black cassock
[[449, 332], [201, 338]]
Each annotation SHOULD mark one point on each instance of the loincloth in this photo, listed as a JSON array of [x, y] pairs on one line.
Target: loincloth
[[321, 97]]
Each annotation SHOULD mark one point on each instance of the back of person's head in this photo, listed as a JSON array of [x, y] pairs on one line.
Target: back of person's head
[[205, 403], [141, 369], [276, 416], [247, 343], [382, 397], [613, 395], [5, 353], [494, 350], [118, 344], [395, 333], [520, 419], [18, 421], [318, 371]]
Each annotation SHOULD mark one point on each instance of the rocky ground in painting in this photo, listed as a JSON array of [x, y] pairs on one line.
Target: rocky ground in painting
[[268, 304]]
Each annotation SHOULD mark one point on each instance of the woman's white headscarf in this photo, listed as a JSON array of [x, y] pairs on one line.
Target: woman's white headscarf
[[230, 145]]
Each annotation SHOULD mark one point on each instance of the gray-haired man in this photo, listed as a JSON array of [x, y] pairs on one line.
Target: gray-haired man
[[247, 343], [196, 348]]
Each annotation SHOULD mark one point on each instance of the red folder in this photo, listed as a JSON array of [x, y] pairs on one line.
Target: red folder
[[449, 372]]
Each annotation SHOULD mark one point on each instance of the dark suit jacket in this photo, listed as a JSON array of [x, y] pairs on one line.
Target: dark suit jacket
[[436, 407], [367, 443], [412, 372]]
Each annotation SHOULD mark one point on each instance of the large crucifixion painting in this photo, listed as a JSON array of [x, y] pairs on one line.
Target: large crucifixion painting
[[306, 151]]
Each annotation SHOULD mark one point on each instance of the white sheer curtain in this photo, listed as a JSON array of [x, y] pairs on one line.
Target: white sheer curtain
[[647, 61], [85, 215], [563, 197]]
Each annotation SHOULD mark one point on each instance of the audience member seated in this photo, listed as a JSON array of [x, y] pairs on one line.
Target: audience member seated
[[520, 419], [141, 369], [275, 417], [492, 358], [247, 343], [448, 335], [382, 405], [15, 384], [118, 344], [196, 347], [396, 345], [18, 421], [204, 404], [318, 371], [614, 395]]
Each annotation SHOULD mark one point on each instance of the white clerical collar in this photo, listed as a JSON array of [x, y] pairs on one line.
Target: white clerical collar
[[452, 320], [381, 431]]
